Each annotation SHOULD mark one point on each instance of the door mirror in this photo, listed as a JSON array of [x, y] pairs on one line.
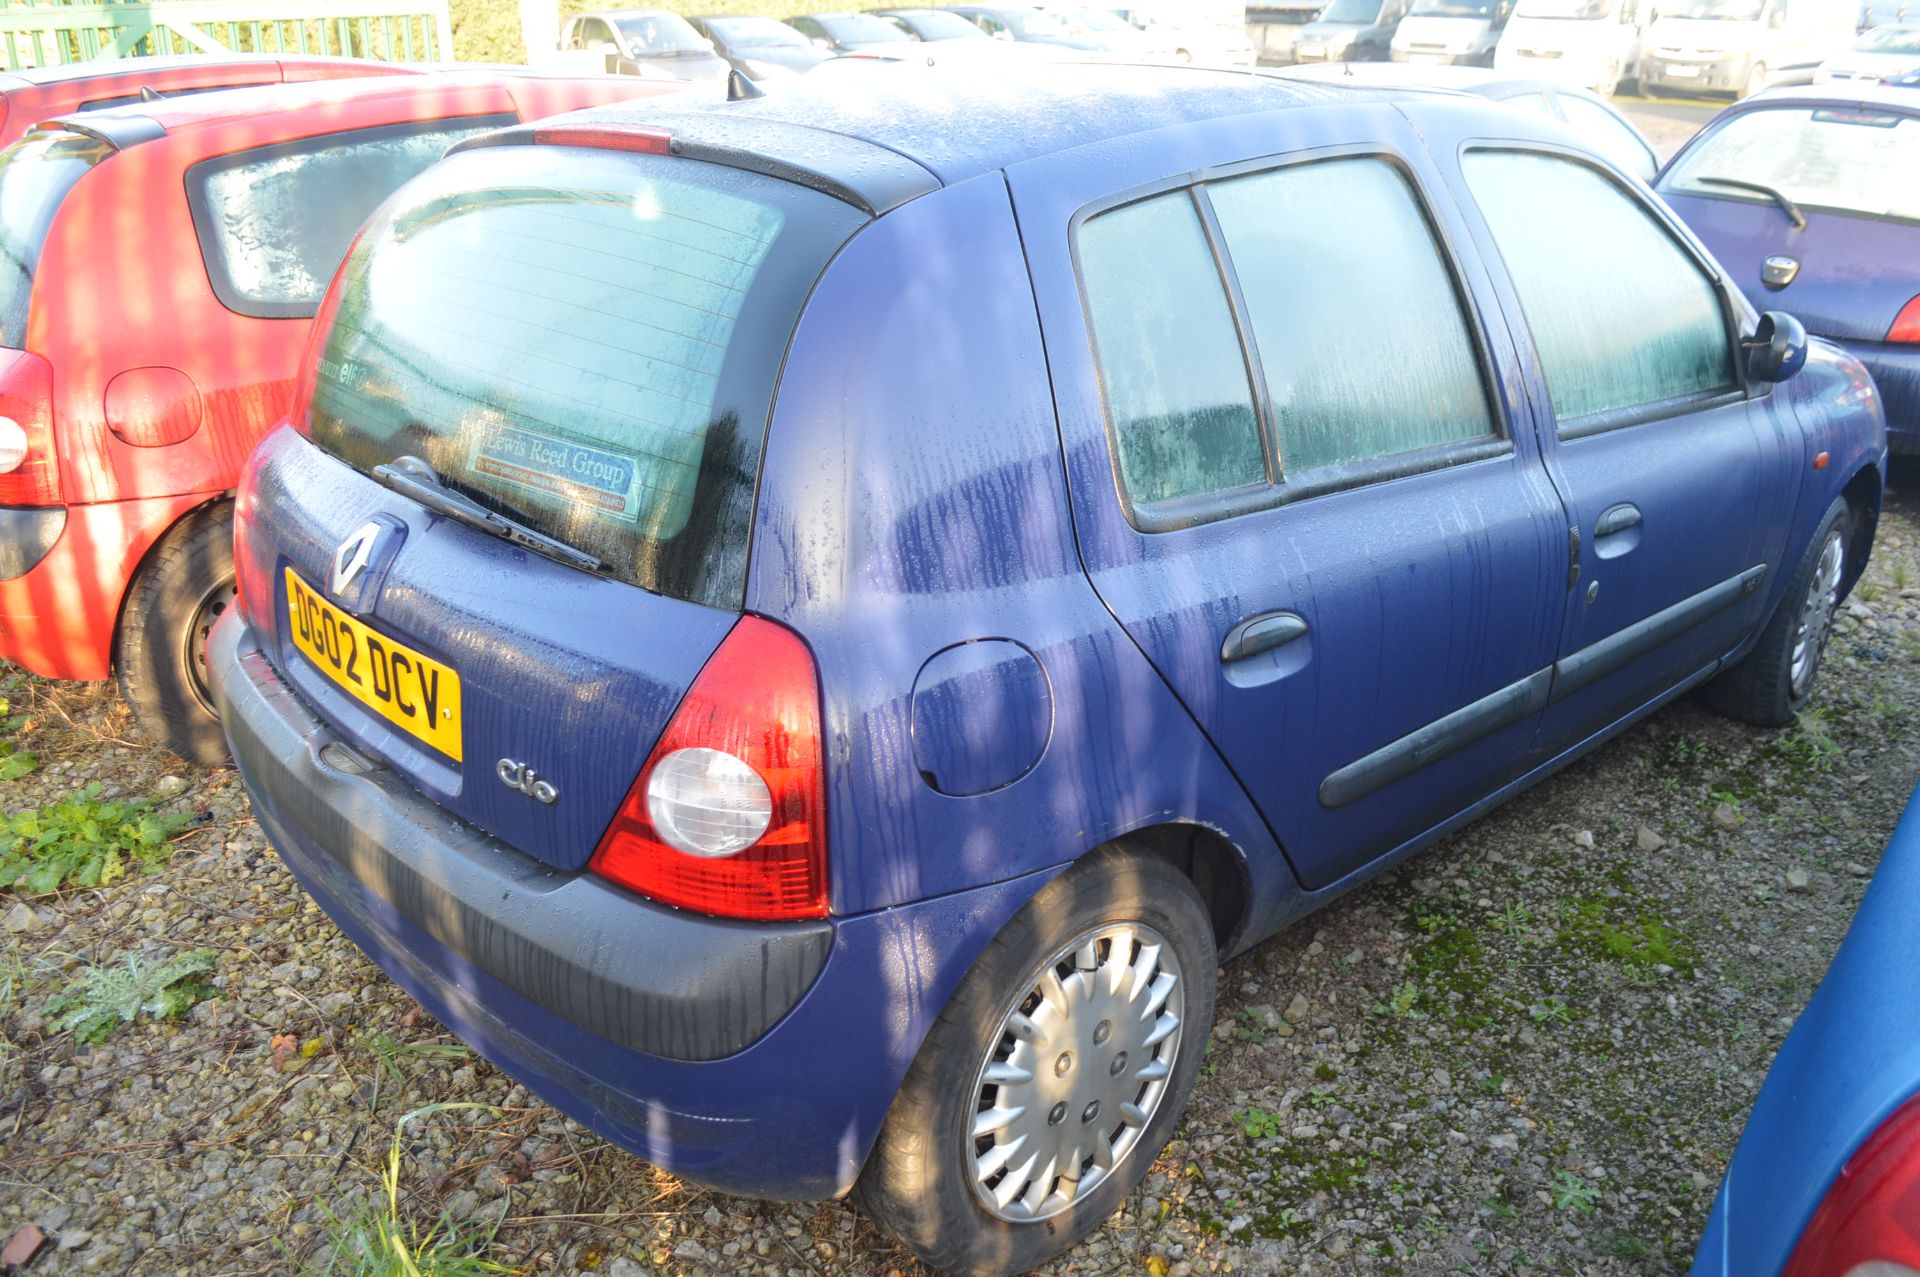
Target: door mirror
[[1777, 349]]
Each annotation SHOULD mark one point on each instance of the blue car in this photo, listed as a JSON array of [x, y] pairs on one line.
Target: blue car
[[1826, 1179], [805, 628], [1810, 199]]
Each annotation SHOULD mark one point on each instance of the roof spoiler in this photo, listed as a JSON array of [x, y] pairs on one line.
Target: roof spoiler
[[116, 130]]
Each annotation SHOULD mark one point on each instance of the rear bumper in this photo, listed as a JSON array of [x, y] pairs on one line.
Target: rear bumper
[[1896, 372], [66, 570], [754, 1059]]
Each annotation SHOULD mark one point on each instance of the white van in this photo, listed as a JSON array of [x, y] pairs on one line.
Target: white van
[[1589, 44], [1742, 46], [1451, 32]]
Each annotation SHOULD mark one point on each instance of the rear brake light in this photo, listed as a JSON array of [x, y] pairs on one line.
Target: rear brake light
[[648, 141], [29, 461], [1906, 325], [729, 814], [1870, 1218]]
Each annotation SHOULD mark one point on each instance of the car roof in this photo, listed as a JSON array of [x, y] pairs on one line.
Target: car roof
[[956, 123], [103, 68], [1482, 81], [1837, 93]]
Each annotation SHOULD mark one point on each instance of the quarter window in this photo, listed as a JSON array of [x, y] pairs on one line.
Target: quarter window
[[1178, 397], [1622, 316], [1361, 337]]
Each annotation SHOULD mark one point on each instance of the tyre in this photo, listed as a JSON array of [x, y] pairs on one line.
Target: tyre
[[1609, 81], [1055, 1076], [160, 653], [1756, 81], [1775, 680]]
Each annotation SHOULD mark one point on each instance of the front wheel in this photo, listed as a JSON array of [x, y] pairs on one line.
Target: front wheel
[[160, 653], [1055, 1076], [1775, 680], [1756, 80]]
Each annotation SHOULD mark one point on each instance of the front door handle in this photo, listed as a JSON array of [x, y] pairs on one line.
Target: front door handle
[[1259, 634], [1616, 519]]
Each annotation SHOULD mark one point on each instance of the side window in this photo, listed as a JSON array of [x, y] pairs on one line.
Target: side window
[[808, 28], [1610, 135], [1356, 319], [1178, 397], [594, 33], [274, 222], [1623, 317], [990, 24]]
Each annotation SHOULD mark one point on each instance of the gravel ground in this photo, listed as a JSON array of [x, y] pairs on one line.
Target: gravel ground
[[1529, 1050]]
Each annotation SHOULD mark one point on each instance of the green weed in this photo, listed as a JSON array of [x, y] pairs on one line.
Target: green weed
[[1570, 1192], [82, 841], [103, 998]]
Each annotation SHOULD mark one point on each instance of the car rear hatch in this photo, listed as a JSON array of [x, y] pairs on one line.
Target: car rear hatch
[[578, 346]]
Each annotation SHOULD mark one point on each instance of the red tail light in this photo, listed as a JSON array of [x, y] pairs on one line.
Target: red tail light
[[1871, 1215], [646, 141], [729, 815], [1906, 325], [27, 453]]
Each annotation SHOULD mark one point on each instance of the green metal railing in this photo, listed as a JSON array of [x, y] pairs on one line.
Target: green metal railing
[[35, 33]]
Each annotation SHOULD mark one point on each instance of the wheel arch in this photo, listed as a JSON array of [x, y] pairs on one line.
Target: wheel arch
[[1212, 862], [1863, 495], [145, 560]]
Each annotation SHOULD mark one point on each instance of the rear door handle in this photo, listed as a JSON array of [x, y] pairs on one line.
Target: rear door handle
[[1616, 519], [1261, 633]]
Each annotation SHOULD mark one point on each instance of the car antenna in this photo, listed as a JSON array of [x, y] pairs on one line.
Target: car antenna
[[150, 94], [741, 89]]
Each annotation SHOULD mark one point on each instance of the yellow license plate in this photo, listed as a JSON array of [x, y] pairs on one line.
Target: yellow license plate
[[413, 692]]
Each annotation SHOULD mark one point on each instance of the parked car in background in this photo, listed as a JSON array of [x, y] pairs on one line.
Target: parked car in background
[[952, 728], [1884, 53], [1591, 44], [1274, 26], [932, 25], [1601, 128], [1037, 26], [760, 48], [39, 93], [1350, 31], [1450, 32], [852, 32], [1741, 46], [1826, 1178], [167, 258], [1193, 34], [1809, 198], [1114, 34], [648, 42]]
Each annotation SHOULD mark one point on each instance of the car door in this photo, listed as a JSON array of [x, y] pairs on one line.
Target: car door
[[1676, 479], [1297, 478]]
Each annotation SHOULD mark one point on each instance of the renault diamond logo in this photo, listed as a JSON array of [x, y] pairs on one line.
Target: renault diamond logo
[[350, 560]]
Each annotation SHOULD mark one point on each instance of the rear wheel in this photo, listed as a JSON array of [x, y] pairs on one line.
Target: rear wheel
[[161, 650], [1055, 1076], [1775, 680]]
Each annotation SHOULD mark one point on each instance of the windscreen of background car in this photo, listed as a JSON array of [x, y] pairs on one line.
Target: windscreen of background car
[[1843, 159], [35, 175], [1890, 40], [586, 341], [864, 28], [1356, 13], [931, 24], [660, 33], [757, 33], [274, 222], [1712, 10], [1452, 8]]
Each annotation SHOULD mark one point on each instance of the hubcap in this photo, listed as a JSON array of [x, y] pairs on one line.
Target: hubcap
[[1816, 614], [1077, 1071], [204, 616]]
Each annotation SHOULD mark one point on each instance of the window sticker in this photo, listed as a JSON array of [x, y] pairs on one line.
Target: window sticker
[[558, 467]]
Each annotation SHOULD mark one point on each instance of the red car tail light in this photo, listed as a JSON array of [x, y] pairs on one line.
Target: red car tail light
[[1870, 1218], [29, 460], [1906, 325], [729, 815], [646, 141]]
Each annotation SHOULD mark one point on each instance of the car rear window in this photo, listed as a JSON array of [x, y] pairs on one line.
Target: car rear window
[[35, 175], [586, 341], [1844, 159], [274, 222]]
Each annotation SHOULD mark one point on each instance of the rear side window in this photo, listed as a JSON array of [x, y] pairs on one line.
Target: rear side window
[[1361, 336], [274, 222], [586, 341], [1624, 319], [35, 175], [1178, 399]]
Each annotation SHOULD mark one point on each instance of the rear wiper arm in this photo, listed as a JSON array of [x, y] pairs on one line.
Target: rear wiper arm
[[413, 478], [1778, 196]]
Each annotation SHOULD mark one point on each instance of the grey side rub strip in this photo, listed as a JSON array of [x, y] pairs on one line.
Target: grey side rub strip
[[1528, 696]]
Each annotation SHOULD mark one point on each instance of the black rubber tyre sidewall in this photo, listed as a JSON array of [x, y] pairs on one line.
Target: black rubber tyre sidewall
[[927, 1202], [151, 658], [1759, 690]]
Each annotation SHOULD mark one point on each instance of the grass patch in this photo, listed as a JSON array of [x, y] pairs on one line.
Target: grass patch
[[82, 841], [103, 998], [1595, 928]]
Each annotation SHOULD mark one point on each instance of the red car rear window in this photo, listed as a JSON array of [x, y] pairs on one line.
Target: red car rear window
[[35, 175]]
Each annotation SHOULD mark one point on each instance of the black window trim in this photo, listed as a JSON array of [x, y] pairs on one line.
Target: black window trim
[[205, 228], [1279, 490], [1731, 316]]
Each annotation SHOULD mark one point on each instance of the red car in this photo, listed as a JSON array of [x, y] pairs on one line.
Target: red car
[[41, 93], [162, 262]]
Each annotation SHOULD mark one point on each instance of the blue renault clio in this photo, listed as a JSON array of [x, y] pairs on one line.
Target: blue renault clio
[[805, 628]]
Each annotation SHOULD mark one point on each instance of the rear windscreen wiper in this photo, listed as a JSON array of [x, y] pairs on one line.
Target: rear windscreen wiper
[[1778, 196], [415, 479]]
